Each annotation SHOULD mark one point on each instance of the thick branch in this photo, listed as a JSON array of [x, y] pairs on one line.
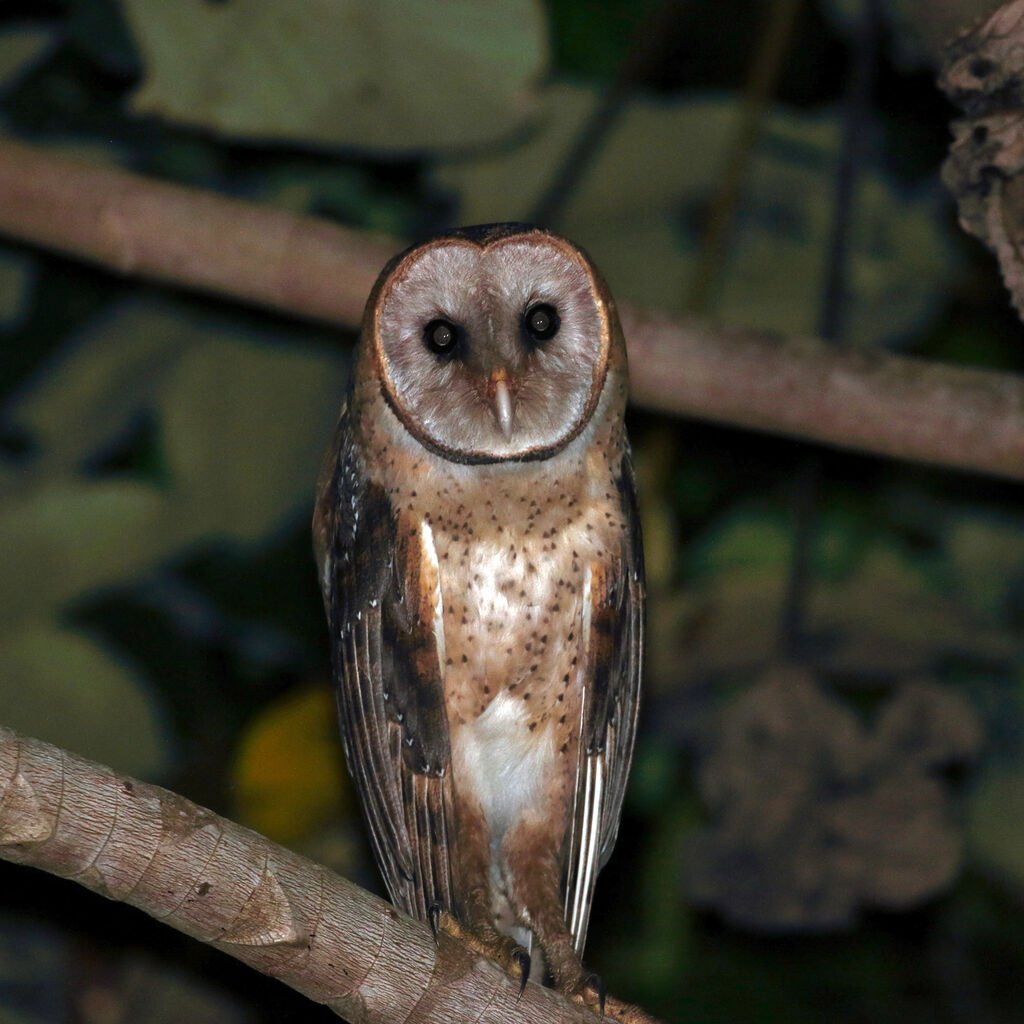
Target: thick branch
[[226, 885], [886, 404], [867, 400], [185, 236]]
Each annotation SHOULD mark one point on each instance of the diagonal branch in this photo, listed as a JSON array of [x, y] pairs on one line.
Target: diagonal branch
[[225, 885], [881, 403]]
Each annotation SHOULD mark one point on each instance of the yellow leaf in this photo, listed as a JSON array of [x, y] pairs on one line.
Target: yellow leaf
[[290, 775]]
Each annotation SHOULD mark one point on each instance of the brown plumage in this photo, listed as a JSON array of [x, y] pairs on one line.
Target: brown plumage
[[482, 573]]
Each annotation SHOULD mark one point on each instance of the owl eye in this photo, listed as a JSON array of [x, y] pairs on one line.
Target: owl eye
[[541, 322], [441, 337]]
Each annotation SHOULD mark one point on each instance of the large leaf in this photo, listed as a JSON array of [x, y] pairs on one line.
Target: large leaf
[[395, 75], [104, 378], [63, 688], [239, 423], [67, 536], [21, 47], [638, 211], [244, 426]]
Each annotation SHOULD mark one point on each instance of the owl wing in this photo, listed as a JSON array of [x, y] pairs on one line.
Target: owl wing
[[613, 639], [378, 574]]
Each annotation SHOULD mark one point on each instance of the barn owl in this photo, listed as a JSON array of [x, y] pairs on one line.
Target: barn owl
[[480, 559]]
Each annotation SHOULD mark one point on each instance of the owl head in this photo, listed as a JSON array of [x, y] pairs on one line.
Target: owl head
[[493, 343]]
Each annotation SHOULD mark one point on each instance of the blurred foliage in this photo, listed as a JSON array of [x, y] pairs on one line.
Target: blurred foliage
[[290, 773], [851, 827], [389, 76], [641, 218]]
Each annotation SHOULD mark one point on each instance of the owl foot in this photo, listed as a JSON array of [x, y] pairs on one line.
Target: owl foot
[[627, 1013], [502, 950], [590, 991]]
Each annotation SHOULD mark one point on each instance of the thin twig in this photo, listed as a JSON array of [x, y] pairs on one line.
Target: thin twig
[[645, 51], [757, 95], [831, 325]]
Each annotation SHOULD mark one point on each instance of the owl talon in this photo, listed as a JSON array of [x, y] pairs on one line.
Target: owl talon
[[504, 951], [434, 912], [521, 959]]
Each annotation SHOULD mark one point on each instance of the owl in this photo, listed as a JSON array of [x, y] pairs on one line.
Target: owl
[[480, 559]]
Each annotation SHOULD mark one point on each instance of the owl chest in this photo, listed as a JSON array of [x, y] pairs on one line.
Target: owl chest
[[512, 599]]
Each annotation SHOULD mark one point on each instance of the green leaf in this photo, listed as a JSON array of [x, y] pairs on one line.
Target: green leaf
[[996, 822], [63, 688], [241, 424], [748, 540], [21, 48], [987, 555], [102, 379], [64, 537], [392, 75], [17, 275], [245, 424]]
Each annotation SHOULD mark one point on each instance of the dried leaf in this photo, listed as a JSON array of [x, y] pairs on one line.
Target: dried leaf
[[984, 75], [814, 816]]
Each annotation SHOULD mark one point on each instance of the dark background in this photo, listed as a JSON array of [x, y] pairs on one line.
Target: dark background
[[824, 823]]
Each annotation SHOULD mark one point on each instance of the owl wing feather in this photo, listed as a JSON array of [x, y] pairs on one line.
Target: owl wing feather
[[613, 623], [378, 574]]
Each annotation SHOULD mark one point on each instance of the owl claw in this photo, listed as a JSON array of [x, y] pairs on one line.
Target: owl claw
[[434, 920], [522, 960]]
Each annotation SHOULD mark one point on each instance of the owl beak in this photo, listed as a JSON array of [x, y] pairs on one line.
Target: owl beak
[[502, 402]]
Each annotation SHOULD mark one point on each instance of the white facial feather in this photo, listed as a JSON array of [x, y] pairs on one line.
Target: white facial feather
[[486, 294]]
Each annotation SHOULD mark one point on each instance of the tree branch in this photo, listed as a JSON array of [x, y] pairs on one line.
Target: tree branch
[[223, 884], [871, 401], [875, 402]]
